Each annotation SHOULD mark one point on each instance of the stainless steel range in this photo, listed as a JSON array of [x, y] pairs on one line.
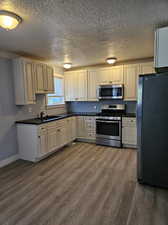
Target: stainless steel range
[[109, 125]]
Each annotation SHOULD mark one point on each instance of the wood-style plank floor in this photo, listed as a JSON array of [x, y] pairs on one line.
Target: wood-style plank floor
[[83, 184]]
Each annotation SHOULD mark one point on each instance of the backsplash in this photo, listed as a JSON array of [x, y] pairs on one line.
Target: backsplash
[[32, 111], [96, 106]]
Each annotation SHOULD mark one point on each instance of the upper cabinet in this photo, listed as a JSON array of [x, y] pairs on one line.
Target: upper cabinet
[[93, 83], [82, 85], [70, 85], [49, 80], [117, 75], [131, 73], [76, 85], [112, 75], [31, 78], [39, 72], [24, 82], [147, 67], [44, 79], [161, 48]]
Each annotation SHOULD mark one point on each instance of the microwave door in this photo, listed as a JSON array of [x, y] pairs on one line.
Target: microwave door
[[105, 92]]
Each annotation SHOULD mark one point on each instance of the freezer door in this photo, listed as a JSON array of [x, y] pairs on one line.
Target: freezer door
[[152, 116]]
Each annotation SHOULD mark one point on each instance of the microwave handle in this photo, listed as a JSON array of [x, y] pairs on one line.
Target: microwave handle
[[97, 92]]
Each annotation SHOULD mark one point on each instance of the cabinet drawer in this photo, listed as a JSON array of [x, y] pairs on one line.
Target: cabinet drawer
[[42, 129], [57, 123], [129, 121]]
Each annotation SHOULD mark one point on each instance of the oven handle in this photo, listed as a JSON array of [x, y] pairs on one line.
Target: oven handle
[[103, 121]]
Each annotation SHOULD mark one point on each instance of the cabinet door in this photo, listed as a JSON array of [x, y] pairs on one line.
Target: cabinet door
[[39, 70], [161, 47], [43, 145], [30, 82], [63, 135], [117, 75], [129, 135], [69, 129], [131, 73], [73, 128], [50, 79], [92, 85], [70, 86], [146, 68], [52, 139], [90, 127], [80, 127], [81, 94], [104, 76]]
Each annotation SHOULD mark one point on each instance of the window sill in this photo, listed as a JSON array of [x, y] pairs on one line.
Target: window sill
[[55, 106]]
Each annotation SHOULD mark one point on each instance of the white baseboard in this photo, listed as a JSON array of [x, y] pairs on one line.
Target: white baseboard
[[9, 160]]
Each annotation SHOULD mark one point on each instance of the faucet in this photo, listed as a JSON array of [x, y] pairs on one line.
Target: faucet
[[42, 115]]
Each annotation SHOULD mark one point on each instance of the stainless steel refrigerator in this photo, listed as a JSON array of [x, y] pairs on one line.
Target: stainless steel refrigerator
[[152, 124]]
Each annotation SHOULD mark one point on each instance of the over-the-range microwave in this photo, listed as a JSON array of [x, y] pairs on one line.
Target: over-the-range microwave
[[111, 91]]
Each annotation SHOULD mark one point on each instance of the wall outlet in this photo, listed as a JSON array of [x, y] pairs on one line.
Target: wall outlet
[[95, 107]]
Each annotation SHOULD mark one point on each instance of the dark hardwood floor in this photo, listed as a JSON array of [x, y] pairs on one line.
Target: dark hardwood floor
[[83, 184]]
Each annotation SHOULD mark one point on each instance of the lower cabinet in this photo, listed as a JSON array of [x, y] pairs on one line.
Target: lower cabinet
[[129, 132], [86, 128], [37, 141]]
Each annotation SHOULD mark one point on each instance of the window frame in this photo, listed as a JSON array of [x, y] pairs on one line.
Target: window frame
[[61, 105]]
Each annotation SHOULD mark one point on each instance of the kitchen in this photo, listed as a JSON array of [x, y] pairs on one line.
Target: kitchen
[[77, 126]]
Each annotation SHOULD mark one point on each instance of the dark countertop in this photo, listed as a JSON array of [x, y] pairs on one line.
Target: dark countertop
[[129, 115], [38, 121]]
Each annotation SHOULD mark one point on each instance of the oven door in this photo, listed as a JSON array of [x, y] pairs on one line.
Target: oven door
[[109, 129], [110, 92]]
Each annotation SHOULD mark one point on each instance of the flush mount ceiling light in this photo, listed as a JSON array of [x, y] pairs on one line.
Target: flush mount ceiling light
[[67, 65], [111, 60], [9, 20]]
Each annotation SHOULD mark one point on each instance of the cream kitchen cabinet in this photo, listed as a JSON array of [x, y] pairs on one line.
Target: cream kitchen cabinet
[[71, 128], [76, 85], [93, 83], [86, 128], [90, 127], [112, 75], [161, 48], [104, 75], [131, 73], [117, 75], [39, 72], [70, 86], [129, 132], [147, 67], [31, 78], [49, 80], [81, 85], [38, 141], [42, 141], [44, 79], [24, 82]]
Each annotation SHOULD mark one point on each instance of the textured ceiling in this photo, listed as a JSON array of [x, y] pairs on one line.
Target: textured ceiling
[[84, 32]]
